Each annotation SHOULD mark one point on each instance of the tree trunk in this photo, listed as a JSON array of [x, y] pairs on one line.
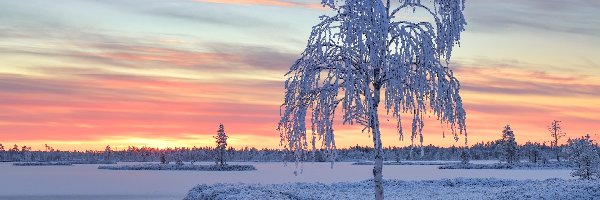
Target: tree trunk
[[557, 152], [556, 141], [221, 157], [378, 168]]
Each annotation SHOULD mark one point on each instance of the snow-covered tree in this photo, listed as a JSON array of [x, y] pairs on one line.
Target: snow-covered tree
[[556, 133], [364, 49], [533, 151], [221, 140], [15, 148], [464, 156], [179, 160], [48, 148], [1, 147], [107, 152], [509, 146], [585, 157], [163, 158]]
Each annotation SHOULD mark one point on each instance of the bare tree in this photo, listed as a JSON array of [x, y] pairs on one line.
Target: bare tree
[[364, 48], [556, 133]]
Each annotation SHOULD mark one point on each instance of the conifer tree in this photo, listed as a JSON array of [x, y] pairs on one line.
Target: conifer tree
[[221, 140], [509, 146], [464, 156]]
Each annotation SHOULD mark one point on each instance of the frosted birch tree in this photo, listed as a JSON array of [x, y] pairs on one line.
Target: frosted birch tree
[[367, 52]]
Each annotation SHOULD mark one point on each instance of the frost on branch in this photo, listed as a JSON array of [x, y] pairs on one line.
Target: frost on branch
[[366, 46]]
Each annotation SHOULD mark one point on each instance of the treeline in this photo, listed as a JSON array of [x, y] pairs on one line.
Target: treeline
[[140, 154], [534, 152]]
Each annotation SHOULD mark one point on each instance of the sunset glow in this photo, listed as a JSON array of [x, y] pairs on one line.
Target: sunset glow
[[81, 75]]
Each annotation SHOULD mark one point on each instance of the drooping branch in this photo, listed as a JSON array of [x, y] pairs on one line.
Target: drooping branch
[[360, 49]]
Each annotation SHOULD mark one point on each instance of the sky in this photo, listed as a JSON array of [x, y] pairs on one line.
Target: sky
[[83, 74]]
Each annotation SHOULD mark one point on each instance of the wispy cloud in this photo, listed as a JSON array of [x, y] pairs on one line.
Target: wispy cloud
[[167, 70], [127, 52], [513, 81], [575, 17], [104, 105], [281, 3]]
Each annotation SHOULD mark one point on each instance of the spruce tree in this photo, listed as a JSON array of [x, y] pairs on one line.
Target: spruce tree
[[221, 140], [508, 146]]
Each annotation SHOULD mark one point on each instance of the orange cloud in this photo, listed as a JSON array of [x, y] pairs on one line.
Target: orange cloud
[[111, 99]]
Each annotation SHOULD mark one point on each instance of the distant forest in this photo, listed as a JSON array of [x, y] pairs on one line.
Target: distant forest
[[531, 152]]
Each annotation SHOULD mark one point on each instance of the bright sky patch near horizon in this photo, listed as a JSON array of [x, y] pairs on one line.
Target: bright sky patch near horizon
[[83, 74]]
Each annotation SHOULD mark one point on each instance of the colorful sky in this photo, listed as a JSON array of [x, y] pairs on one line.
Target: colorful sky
[[82, 74]]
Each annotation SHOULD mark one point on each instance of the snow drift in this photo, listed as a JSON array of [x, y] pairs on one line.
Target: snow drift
[[460, 188]]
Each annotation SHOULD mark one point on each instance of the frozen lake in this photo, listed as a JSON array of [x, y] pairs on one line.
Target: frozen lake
[[88, 182]]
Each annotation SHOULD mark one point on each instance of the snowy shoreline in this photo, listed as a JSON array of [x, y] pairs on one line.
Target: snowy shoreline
[[181, 167], [459, 188], [409, 163], [551, 165], [62, 163], [43, 164]]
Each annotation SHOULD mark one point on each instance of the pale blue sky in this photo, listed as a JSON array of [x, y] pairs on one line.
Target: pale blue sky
[[518, 58]]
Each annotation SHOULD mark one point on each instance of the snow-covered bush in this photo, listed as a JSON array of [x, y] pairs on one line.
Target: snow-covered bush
[[584, 155]]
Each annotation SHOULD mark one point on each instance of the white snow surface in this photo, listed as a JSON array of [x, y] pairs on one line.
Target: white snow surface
[[460, 188], [522, 165], [42, 164], [180, 167], [87, 182]]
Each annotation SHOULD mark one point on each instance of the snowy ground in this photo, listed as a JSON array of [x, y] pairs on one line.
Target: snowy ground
[[43, 164], [180, 167], [461, 188], [52, 163], [87, 162], [409, 163], [88, 182], [522, 165]]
